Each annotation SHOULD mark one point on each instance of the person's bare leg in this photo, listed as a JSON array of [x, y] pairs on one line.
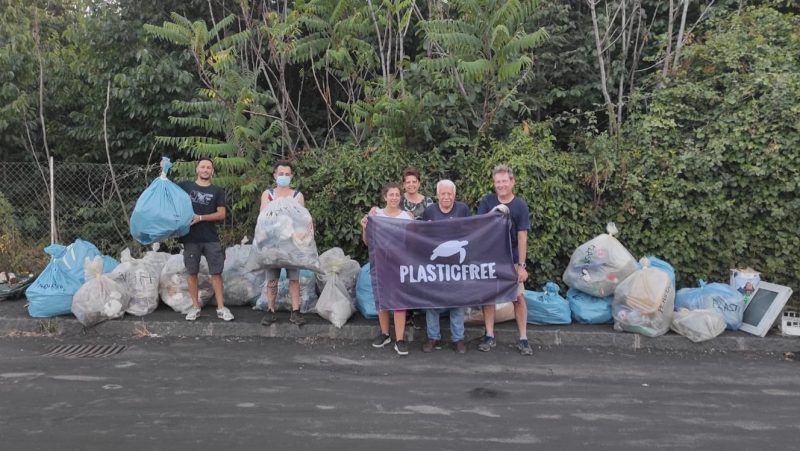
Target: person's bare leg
[[219, 293], [294, 293], [383, 321], [191, 282], [521, 315], [488, 318], [399, 325]]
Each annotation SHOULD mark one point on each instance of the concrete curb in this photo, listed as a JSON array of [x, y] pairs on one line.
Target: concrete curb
[[15, 321]]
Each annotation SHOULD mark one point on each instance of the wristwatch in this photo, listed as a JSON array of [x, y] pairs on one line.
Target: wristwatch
[[522, 265]]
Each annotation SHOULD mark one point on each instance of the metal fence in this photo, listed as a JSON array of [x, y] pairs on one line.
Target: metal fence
[[86, 204]]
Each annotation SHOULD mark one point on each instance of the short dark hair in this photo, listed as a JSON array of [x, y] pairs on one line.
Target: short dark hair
[[206, 159], [411, 170], [286, 163], [389, 186]]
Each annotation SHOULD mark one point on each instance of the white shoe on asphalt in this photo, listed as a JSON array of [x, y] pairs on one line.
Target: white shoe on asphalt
[[224, 314], [192, 314]]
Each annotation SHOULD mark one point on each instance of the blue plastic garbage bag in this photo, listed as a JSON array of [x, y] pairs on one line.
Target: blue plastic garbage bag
[[717, 296], [74, 256], [109, 263], [657, 263], [547, 307], [51, 293], [365, 298], [587, 309], [164, 210]]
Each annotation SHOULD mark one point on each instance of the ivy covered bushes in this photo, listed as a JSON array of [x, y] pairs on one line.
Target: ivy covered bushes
[[707, 175]]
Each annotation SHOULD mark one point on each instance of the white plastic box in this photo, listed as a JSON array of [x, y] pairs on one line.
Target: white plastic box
[[790, 323]]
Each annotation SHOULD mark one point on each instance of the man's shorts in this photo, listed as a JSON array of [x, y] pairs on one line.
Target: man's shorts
[[213, 253], [275, 273]]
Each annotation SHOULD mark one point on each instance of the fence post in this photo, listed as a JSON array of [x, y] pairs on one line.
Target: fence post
[[52, 205]]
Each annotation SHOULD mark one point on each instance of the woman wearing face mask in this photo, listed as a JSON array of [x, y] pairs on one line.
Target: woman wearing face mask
[[391, 196], [283, 178], [413, 201]]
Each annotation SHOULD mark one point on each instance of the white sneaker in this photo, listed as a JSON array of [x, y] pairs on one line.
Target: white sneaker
[[192, 314], [224, 314]]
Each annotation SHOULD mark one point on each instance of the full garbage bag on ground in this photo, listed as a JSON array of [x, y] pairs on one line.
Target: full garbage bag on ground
[[698, 325], [547, 307], [100, 298], [164, 210], [714, 296], [173, 285], [241, 286], [155, 259], [365, 298], [51, 293], [599, 265], [308, 293], [74, 256], [644, 302], [284, 237], [140, 279], [658, 263], [336, 301], [504, 311], [587, 309]]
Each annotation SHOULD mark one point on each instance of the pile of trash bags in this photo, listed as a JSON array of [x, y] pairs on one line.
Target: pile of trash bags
[[52, 291]]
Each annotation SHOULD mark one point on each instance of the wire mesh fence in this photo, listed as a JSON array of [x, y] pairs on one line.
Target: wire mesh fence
[[86, 202]]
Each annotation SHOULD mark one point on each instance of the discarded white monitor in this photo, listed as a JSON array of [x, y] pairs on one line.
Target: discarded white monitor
[[764, 308]]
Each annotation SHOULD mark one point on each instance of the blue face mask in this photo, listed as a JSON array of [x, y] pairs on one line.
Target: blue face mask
[[283, 180]]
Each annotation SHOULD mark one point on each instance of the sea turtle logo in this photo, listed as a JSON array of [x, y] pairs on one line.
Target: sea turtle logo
[[449, 248]]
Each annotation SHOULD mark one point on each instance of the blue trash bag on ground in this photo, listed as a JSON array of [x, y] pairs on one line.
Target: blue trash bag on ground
[[714, 296], [657, 263], [587, 309], [51, 293], [164, 210], [547, 307], [74, 257], [365, 298]]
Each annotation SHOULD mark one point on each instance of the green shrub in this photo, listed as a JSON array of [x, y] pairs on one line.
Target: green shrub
[[708, 174]]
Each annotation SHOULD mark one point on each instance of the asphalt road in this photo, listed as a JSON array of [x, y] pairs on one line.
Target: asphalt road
[[232, 394]]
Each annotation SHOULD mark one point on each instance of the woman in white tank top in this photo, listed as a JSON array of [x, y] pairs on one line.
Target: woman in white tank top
[[392, 196]]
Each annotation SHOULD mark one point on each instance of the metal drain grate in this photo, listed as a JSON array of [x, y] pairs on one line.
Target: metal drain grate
[[74, 351]]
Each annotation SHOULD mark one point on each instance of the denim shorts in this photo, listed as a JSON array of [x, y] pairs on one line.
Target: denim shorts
[[213, 253]]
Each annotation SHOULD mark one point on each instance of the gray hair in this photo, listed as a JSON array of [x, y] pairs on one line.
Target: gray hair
[[445, 184], [503, 168]]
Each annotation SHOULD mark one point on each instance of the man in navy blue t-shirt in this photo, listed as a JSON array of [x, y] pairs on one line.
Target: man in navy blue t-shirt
[[445, 208], [208, 202], [503, 178]]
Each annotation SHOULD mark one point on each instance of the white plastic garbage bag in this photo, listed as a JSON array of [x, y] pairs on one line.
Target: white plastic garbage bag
[[241, 287], [284, 237], [140, 281], [643, 303], [174, 288], [334, 261], [337, 300], [100, 298], [155, 259], [698, 325], [599, 265]]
